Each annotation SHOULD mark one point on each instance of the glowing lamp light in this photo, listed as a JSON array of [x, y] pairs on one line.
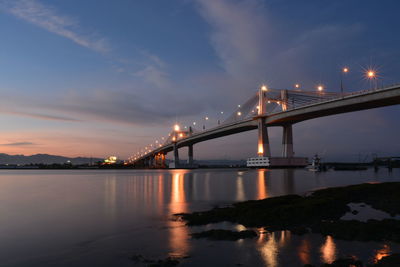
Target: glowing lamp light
[[194, 123], [181, 135], [176, 127], [264, 88], [320, 88], [206, 118], [345, 70], [174, 138], [371, 74], [239, 113], [260, 149], [222, 112], [297, 85]]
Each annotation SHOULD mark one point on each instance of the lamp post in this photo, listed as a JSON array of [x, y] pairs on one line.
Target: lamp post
[[371, 75], [205, 120], [344, 71]]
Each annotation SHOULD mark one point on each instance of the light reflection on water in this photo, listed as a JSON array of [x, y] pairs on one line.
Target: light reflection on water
[[101, 217], [328, 250]]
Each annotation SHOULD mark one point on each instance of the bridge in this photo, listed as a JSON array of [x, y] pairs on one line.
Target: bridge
[[266, 108]]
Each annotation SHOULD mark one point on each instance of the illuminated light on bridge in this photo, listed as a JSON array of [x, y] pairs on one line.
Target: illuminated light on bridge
[[371, 74], [345, 70], [320, 88], [181, 135], [206, 118], [260, 149], [239, 113], [176, 128], [297, 86], [194, 123], [264, 88]]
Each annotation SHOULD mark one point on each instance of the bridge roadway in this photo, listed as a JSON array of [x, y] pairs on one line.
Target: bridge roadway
[[352, 102]]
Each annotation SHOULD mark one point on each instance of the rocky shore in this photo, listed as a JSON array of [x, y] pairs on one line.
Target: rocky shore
[[321, 212]]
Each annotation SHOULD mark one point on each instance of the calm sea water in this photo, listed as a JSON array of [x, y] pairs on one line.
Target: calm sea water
[[103, 217]]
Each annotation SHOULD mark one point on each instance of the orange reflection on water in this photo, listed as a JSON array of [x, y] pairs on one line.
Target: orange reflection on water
[[269, 246], [328, 250], [304, 251], [262, 189], [383, 252], [240, 195], [178, 238]]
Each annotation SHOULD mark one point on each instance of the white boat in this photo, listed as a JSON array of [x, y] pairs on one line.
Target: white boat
[[315, 164], [258, 162]]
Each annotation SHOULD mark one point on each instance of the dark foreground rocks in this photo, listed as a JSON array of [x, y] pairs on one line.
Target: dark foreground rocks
[[219, 234], [167, 262], [319, 212], [388, 261]]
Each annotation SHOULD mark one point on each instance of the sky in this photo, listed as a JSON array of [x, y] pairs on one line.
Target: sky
[[99, 78]]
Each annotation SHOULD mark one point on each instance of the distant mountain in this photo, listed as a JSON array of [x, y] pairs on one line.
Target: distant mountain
[[44, 159]]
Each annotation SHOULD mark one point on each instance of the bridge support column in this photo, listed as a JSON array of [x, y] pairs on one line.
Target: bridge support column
[[156, 160], [287, 141], [190, 155], [151, 161], [263, 140], [163, 165], [176, 156]]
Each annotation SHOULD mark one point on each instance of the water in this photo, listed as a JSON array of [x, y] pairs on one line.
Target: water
[[103, 217]]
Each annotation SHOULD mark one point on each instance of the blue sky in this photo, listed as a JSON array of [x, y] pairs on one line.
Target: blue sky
[[97, 77]]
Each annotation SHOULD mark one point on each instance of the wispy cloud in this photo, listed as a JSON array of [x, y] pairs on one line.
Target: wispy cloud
[[238, 34], [49, 19], [37, 115], [125, 107], [18, 144]]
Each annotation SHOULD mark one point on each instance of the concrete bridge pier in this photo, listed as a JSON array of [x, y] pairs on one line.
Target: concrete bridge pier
[[162, 161], [287, 141], [156, 160], [263, 140], [190, 155], [176, 155], [151, 161]]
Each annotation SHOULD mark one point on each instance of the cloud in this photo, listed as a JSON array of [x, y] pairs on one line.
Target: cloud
[[38, 115], [125, 107], [154, 76], [48, 18], [239, 31], [18, 144]]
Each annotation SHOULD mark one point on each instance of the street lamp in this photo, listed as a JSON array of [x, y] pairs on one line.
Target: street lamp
[[345, 70], [176, 128], [371, 75], [297, 86], [204, 125], [320, 88]]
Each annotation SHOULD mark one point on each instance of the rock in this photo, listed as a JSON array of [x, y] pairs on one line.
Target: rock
[[219, 234], [389, 261], [321, 211]]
